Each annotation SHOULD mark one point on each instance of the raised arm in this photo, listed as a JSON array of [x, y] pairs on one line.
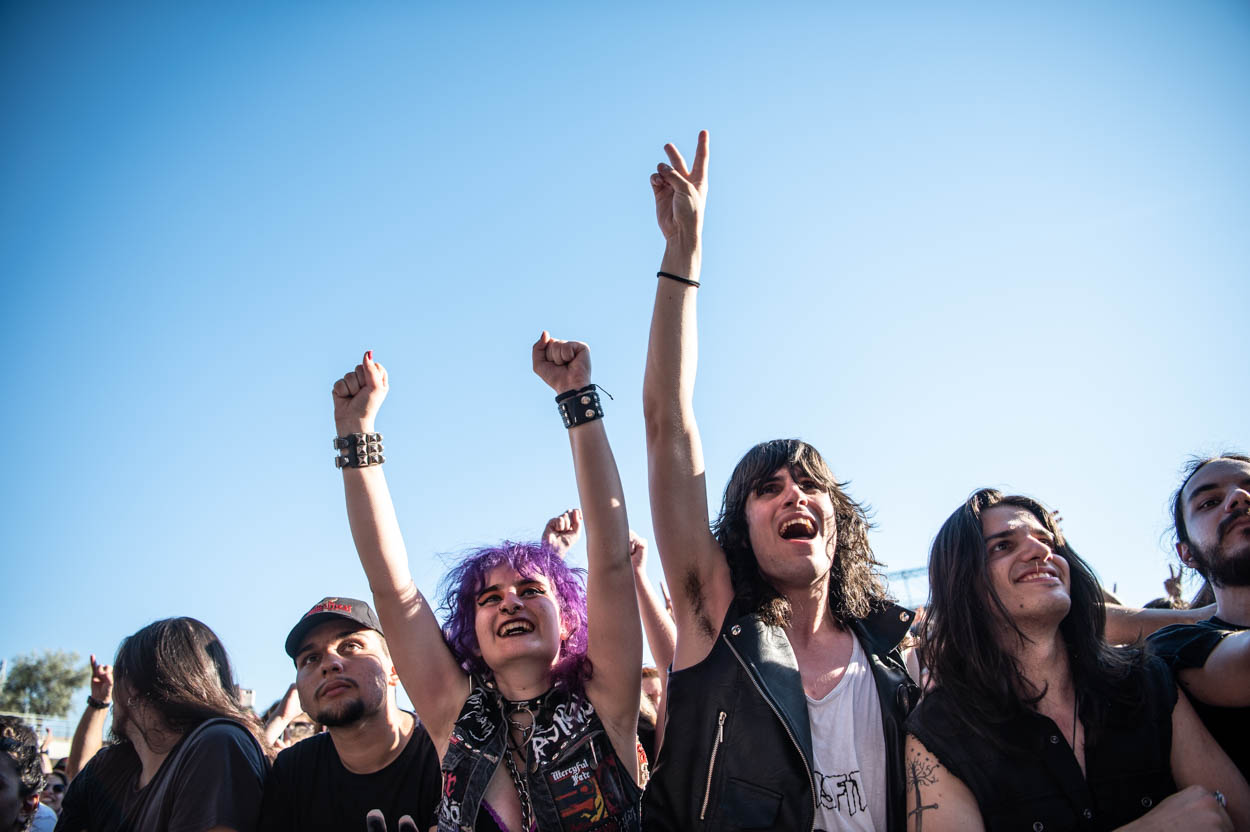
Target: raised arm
[[563, 531], [658, 625], [1125, 625], [89, 735], [694, 564], [434, 681], [615, 637], [656, 622], [285, 714]]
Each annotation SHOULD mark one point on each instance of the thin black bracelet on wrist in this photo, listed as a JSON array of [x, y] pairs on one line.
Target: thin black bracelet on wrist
[[678, 278], [99, 705], [358, 450], [577, 407]]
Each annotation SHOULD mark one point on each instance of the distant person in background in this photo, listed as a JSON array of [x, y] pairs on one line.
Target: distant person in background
[[54, 791], [286, 723], [1211, 518], [1172, 599], [89, 735], [21, 777], [649, 711], [1033, 720], [188, 756], [373, 755]]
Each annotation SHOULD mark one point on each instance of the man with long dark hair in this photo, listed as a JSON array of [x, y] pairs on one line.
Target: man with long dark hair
[[787, 694], [1034, 721], [187, 755], [1211, 517]]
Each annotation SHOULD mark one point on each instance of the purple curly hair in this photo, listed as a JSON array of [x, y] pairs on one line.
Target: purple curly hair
[[459, 602]]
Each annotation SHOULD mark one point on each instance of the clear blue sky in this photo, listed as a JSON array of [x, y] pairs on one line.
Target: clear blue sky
[[952, 247]]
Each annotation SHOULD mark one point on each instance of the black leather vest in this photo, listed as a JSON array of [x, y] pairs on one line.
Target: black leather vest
[[579, 786], [737, 750]]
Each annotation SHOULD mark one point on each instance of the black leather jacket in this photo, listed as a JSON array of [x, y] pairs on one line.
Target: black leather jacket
[[737, 750]]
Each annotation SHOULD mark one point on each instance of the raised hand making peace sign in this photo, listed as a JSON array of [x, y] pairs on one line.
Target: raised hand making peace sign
[[681, 193]]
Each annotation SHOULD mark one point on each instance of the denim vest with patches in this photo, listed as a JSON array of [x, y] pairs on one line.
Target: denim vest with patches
[[576, 782]]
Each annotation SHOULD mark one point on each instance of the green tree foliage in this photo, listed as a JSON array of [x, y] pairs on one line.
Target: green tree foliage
[[43, 683]]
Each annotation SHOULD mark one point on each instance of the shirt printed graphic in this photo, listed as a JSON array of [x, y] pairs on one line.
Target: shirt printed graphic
[[841, 792]]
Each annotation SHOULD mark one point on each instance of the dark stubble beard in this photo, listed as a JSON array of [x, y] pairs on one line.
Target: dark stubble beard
[[351, 712], [1223, 569]]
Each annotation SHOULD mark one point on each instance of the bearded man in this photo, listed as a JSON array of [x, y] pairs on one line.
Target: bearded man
[[1211, 658]]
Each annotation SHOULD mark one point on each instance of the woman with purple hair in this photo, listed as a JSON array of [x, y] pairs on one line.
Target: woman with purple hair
[[530, 692]]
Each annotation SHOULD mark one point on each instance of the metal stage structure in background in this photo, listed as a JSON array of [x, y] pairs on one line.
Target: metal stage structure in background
[[909, 586]]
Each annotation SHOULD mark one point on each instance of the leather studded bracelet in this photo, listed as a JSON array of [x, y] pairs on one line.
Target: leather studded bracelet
[[358, 450], [577, 407]]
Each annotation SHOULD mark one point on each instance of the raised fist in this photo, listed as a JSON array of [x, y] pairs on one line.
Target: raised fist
[[358, 396], [563, 531], [101, 681], [564, 365], [637, 550]]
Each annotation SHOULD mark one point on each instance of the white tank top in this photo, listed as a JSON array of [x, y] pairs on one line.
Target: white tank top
[[848, 747]]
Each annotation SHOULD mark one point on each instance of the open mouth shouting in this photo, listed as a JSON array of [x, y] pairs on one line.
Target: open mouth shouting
[[515, 627], [798, 527]]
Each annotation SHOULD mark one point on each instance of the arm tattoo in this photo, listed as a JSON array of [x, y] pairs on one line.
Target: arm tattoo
[[920, 773]]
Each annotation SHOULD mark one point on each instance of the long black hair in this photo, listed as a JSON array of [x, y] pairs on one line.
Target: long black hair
[[855, 585], [962, 649], [179, 668]]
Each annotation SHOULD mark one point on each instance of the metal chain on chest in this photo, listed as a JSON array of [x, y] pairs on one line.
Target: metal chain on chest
[[518, 779]]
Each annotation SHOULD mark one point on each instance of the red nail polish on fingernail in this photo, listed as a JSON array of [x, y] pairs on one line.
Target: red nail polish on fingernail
[[369, 355]]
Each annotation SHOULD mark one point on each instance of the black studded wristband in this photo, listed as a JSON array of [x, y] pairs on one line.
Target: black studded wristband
[[358, 450], [577, 407]]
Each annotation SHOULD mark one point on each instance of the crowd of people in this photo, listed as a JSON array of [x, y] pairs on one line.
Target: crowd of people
[[789, 693]]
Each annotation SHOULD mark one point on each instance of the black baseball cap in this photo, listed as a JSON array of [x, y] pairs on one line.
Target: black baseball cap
[[328, 609]]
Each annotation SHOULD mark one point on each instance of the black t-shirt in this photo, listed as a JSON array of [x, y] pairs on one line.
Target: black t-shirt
[[1033, 780], [309, 789], [213, 777], [1185, 646]]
